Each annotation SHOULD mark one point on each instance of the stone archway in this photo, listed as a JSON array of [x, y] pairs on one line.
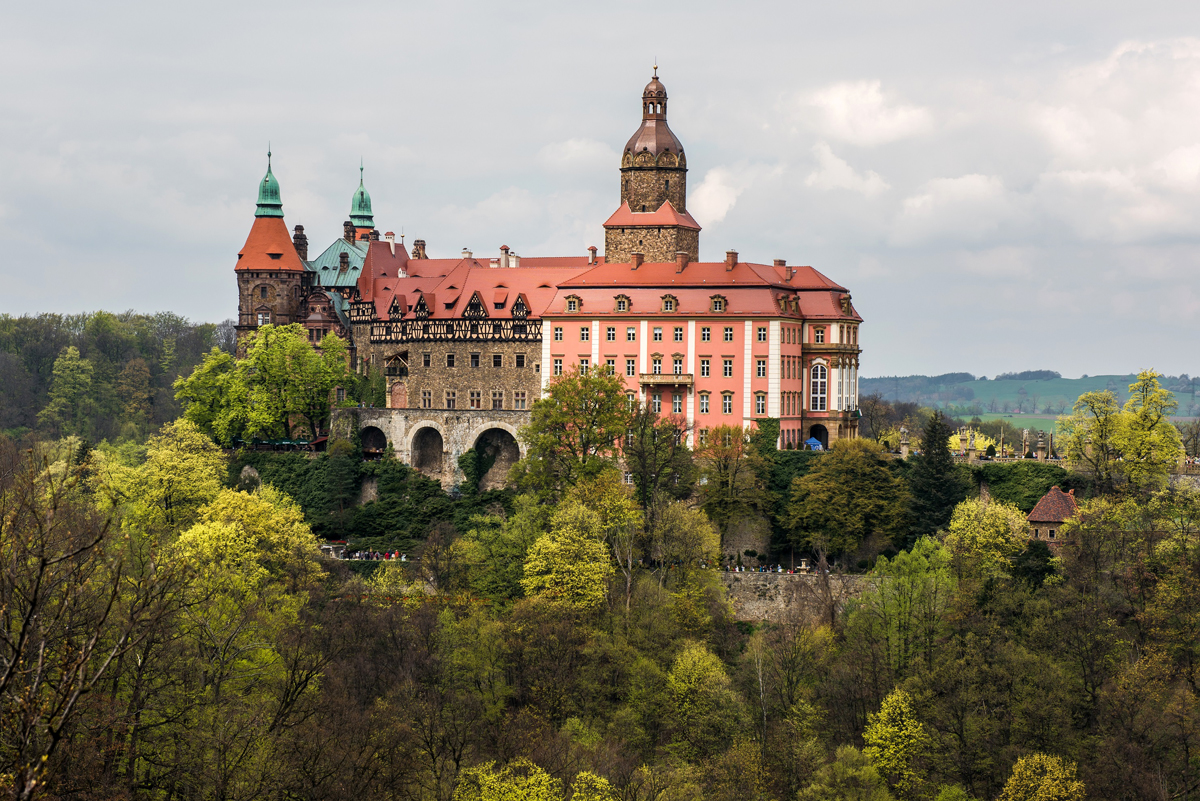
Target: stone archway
[[374, 441], [499, 451], [428, 452], [821, 434]]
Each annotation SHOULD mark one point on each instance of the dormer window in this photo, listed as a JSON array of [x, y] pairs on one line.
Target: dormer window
[[574, 304], [717, 303], [622, 303], [669, 303]]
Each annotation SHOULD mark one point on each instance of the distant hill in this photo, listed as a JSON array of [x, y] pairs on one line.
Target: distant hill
[[1028, 392]]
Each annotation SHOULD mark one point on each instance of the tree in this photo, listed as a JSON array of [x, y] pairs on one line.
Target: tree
[[683, 534], [902, 618], [1090, 434], [1149, 444], [570, 565], [876, 415], [133, 386], [620, 521], [896, 739], [850, 777], [985, 535], [71, 606], [71, 401], [936, 484], [730, 487], [705, 708], [574, 430], [655, 451], [1042, 777], [282, 383], [848, 495]]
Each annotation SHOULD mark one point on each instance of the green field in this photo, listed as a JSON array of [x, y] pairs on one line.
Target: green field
[[1020, 399]]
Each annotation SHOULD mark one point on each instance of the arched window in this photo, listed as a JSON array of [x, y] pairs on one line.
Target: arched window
[[819, 385]]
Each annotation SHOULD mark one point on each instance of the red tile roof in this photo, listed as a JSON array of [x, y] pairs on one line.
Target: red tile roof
[[269, 247], [1054, 507], [625, 217]]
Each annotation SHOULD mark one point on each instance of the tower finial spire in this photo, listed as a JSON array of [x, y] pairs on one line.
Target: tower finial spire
[[360, 170], [268, 155], [656, 66]]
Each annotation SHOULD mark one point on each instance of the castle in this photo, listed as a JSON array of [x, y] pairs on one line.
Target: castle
[[468, 343]]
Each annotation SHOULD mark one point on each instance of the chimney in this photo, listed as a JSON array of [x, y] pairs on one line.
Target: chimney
[[466, 254], [504, 256], [390, 238], [592, 254], [343, 261], [418, 250], [731, 259], [636, 259], [514, 260], [681, 260], [348, 231], [781, 262], [300, 241]]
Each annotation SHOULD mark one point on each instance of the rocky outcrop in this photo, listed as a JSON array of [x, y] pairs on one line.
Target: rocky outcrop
[[779, 597]]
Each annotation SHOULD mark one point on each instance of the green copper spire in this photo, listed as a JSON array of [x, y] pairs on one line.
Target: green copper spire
[[269, 204], [360, 205]]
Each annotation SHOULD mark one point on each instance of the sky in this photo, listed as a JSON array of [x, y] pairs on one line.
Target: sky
[[1001, 186]]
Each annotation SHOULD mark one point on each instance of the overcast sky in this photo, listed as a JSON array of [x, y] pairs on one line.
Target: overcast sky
[[1001, 186]]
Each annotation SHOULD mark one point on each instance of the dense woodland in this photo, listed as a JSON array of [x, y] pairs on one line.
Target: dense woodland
[[169, 630]]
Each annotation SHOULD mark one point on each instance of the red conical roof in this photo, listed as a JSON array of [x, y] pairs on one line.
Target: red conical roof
[[269, 247]]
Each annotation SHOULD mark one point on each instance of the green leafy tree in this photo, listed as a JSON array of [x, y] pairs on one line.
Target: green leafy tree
[[68, 411], [574, 430], [1090, 435], [848, 495], [1042, 777], [283, 383], [620, 520], [896, 742], [133, 387], [985, 535], [655, 451], [936, 484], [1148, 442], [850, 777], [704, 707], [902, 618], [731, 487], [570, 564]]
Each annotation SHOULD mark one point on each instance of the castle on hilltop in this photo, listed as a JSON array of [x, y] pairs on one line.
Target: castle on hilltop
[[468, 343]]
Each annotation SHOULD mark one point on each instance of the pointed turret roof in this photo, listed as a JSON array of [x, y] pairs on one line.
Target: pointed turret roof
[[269, 247], [360, 205], [269, 204], [653, 136]]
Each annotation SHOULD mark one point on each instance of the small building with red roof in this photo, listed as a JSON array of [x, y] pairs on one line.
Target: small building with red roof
[[1048, 515]]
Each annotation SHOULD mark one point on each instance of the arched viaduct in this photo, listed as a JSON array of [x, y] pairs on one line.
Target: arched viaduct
[[432, 440]]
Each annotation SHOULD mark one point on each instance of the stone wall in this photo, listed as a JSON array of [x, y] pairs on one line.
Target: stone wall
[[648, 187], [432, 440], [779, 597], [462, 379], [655, 244]]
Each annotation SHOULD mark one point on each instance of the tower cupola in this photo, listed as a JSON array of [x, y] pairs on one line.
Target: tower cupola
[[360, 206], [269, 204]]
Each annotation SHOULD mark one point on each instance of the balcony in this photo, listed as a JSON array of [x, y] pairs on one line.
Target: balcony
[[666, 379]]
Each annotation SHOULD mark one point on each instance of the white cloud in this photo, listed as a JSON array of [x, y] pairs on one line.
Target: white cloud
[[857, 112], [577, 156], [716, 194], [835, 173], [966, 208]]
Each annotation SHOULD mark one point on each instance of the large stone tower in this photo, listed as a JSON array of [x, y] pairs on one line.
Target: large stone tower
[[653, 219], [270, 273]]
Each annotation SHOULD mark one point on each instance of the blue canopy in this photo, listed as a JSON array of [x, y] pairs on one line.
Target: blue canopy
[[814, 444]]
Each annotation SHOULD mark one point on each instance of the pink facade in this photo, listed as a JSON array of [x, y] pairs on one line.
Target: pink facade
[[718, 343]]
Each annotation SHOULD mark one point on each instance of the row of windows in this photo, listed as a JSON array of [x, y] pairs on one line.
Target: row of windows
[[475, 399], [668, 303], [610, 334], [476, 359]]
